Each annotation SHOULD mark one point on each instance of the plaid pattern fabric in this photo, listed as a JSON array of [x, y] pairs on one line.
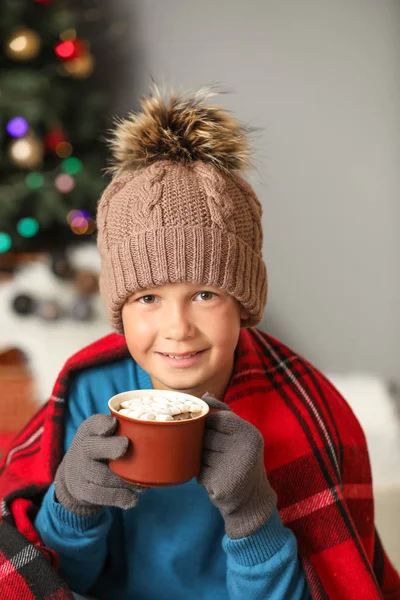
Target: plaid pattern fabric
[[315, 455], [25, 574]]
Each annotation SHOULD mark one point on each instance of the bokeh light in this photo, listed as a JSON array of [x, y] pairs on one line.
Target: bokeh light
[[34, 180], [91, 227], [27, 227], [81, 222], [76, 213], [54, 137], [68, 34], [79, 225], [5, 242], [64, 149], [17, 127], [72, 165], [21, 150], [65, 49], [64, 183], [81, 66], [23, 45]]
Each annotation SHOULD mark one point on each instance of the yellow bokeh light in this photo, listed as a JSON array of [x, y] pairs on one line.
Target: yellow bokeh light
[[91, 226], [81, 66], [23, 45], [26, 152], [21, 150], [19, 43]]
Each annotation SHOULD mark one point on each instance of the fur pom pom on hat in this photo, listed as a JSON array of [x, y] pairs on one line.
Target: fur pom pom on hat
[[182, 129], [177, 208]]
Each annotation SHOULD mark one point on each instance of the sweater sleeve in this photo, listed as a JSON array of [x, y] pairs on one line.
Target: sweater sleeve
[[265, 564], [81, 542]]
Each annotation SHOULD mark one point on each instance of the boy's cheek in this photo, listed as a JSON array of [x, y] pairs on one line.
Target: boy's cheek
[[128, 318]]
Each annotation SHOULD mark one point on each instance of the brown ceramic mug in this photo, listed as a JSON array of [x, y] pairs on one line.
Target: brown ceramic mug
[[159, 453]]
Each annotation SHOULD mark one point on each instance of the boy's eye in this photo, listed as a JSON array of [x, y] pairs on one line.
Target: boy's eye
[[205, 295], [149, 299]]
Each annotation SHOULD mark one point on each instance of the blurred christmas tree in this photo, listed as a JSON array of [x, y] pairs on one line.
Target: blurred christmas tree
[[52, 117]]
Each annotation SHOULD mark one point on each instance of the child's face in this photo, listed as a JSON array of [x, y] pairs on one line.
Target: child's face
[[179, 319]]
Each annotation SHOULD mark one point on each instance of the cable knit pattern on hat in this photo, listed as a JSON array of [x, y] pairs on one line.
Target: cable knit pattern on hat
[[170, 222]]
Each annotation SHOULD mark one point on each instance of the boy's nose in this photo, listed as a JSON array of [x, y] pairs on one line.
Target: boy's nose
[[177, 325]]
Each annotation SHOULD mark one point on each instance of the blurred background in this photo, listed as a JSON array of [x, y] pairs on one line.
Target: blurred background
[[321, 81]]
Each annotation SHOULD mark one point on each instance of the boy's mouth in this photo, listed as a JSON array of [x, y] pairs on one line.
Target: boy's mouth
[[181, 356], [183, 360]]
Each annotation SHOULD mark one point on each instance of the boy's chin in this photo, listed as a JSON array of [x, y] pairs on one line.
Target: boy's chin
[[178, 384]]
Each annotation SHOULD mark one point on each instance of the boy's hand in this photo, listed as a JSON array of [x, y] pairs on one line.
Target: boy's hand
[[233, 471], [84, 482]]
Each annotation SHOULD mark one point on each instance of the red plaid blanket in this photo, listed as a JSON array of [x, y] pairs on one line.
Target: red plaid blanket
[[315, 455]]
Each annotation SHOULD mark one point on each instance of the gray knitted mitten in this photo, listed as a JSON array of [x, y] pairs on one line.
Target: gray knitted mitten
[[233, 471], [84, 482]]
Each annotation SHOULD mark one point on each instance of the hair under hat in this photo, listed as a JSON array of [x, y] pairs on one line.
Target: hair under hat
[[177, 208]]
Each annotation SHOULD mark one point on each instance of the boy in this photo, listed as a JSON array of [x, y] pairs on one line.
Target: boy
[[179, 234]]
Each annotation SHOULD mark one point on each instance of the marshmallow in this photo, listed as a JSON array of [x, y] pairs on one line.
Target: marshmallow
[[164, 418], [182, 417], [136, 414], [161, 409], [126, 403]]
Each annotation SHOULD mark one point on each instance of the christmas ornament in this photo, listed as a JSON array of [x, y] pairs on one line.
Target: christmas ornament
[[23, 304], [23, 45], [82, 309], [48, 310], [80, 67], [17, 127], [86, 282], [26, 152]]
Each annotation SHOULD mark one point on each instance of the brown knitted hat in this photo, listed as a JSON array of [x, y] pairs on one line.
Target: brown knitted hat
[[177, 210]]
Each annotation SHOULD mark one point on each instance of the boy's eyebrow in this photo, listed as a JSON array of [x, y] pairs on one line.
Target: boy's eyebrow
[[132, 297], [146, 291], [135, 295], [195, 286]]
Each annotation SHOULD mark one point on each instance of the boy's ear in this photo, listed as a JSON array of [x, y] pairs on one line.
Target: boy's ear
[[244, 315]]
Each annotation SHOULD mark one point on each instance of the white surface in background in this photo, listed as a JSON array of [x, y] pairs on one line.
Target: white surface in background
[[49, 344], [375, 409]]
